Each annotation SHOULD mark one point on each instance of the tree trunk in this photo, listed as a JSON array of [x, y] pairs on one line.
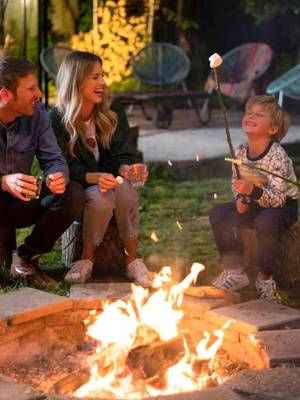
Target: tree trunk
[[110, 255], [287, 264]]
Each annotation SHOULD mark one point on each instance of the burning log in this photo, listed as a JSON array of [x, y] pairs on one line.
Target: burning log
[[154, 359], [71, 382]]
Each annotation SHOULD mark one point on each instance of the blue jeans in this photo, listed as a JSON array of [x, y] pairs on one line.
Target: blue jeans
[[268, 223]]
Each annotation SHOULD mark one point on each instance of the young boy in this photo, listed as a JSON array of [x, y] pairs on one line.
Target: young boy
[[263, 202]]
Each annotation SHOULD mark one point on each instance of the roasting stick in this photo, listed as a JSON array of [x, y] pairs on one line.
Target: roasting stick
[[240, 162], [215, 61]]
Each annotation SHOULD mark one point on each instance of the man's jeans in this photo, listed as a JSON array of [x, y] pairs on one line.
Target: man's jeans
[[51, 215], [268, 223]]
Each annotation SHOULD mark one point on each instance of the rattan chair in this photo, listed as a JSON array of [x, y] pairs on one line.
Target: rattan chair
[[51, 58]]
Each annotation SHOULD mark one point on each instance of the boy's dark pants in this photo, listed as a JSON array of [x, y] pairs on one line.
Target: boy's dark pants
[[268, 223], [51, 215]]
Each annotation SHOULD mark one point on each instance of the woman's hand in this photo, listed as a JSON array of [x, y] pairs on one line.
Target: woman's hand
[[106, 181], [243, 186]]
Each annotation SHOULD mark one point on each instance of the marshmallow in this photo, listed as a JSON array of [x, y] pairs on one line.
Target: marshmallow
[[215, 60], [120, 180]]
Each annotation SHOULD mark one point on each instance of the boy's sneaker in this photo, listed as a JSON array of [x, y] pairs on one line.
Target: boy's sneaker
[[267, 289], [231, 280], [139, 273], [80, 271]]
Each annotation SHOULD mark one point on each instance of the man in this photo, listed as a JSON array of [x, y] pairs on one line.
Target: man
[[25, 133]]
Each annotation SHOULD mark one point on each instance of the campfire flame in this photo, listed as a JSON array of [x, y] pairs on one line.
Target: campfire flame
[[124, 328]]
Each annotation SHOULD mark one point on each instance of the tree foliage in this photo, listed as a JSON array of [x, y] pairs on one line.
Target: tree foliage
[[262, 11]]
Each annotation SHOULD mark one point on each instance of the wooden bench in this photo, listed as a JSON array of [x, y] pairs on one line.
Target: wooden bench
[[162, 116]]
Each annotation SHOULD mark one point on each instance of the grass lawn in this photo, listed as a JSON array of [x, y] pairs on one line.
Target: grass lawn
[[175, 204]]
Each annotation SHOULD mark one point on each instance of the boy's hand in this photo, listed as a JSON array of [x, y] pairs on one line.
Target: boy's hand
[[243, 186], [56, 183], [241, 206]]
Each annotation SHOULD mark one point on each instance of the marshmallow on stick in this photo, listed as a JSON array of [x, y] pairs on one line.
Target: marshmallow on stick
[[240, 162], [215, 60]]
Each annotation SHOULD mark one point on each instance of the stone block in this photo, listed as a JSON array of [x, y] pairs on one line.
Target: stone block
[[195, 307], [245, 352], [8, 350], [267, 384], [197, 327], [280, 347], [17, 331], [26, 304], [254, 316], [103, 291], [10, 390], [216, 393], [69, 317], [3, 325]]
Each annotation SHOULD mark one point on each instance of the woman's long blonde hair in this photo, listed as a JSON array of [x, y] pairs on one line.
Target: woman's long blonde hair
[[73, 71]]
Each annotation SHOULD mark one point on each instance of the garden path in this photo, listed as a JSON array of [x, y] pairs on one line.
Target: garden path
[[186, 138]]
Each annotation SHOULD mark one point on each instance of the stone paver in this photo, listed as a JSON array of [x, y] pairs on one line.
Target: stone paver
[[267, 384], [25, 304], [281, 346], [9, 390], [254, 316], [105, 291], [221, 392], [193, 306]]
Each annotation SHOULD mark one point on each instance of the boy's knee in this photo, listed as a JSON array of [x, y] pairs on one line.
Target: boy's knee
[[216, 214]]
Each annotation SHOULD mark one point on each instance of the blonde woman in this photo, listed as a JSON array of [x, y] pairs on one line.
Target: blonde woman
[[94, 138]]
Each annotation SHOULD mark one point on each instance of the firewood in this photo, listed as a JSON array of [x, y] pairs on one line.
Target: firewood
[[71, 382], [154, 359]]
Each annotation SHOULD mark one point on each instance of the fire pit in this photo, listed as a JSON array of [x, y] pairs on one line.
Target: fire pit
[[43, 342]]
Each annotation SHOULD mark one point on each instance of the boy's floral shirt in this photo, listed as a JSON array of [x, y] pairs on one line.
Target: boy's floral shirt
[[269, 190]]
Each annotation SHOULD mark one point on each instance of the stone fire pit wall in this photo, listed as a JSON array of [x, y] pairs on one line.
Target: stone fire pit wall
[[32, 320]]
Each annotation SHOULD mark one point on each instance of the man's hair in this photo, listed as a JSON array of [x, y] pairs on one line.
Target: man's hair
[[279, 117], [12, 70]]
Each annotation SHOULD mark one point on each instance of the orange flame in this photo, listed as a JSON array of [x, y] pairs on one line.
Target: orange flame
[[119, 328]]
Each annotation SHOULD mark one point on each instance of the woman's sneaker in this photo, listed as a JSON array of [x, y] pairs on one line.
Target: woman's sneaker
[[79, 272], [267, 289], [231, 280], [139, 273]]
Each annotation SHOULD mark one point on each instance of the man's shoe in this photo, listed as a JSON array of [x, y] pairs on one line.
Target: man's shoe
[[80, 271], [139, 273], [231, 280], [267, 289], [29, 271]]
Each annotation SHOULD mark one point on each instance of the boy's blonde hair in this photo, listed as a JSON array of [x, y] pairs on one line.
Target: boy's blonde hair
[[279, 117]]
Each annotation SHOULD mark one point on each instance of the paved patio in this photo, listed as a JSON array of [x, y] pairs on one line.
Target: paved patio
[[186, 138]]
